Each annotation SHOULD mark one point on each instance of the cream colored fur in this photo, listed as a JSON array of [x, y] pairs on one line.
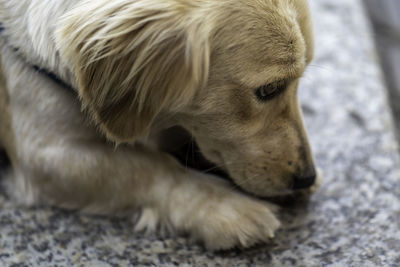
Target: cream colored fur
[[140, 67]]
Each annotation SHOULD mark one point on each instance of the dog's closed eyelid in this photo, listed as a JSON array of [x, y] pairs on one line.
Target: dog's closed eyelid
[[257, 83], [271, 90]]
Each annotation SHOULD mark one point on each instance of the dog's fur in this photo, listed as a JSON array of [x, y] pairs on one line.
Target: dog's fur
[[141, 67]]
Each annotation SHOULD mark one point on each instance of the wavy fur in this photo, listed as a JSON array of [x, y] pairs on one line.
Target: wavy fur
[[136, 59]]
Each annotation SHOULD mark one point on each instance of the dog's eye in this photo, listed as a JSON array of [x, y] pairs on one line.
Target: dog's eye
[[269, 91]]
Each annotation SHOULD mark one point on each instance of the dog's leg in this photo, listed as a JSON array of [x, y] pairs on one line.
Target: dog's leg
[[60, 160], [102, 181], [99, 180]]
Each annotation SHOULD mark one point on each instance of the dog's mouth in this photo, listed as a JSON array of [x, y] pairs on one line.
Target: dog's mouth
[[189, 155], [184, 148], [4, 160], [180, 144]]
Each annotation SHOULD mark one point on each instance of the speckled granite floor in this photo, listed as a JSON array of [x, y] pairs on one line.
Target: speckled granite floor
[[354, 220], [385, 17]]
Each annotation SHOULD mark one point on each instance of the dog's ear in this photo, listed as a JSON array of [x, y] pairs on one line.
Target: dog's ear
[[133, 60]]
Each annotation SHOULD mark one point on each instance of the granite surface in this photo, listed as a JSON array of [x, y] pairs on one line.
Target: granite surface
[[385, 17], [353, 220]]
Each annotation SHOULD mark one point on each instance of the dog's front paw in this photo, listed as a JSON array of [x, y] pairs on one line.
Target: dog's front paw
[[235, 221], [222, 218], [211, 212]]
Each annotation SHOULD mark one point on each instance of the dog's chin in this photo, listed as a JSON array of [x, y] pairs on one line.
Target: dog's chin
[[295, 197]]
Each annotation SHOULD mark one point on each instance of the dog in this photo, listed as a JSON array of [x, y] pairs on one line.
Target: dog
[[96, 95]]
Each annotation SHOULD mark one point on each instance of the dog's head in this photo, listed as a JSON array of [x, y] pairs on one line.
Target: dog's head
[[226, 70]]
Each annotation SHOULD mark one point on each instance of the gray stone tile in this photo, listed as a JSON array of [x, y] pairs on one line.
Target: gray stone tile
[[385, 19], [385, 11]]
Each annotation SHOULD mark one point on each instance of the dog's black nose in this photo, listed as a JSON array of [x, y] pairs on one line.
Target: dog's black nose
[[306, 180]]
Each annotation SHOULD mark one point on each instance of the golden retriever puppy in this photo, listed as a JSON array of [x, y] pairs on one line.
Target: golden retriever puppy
[[90, 90]]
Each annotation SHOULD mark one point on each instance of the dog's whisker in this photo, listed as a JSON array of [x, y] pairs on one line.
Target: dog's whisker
[[251, 179], [321, 67], [222, 166], [216, 167], [187, 152], [192, 144]]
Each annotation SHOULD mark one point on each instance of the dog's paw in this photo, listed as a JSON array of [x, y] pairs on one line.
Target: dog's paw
[[211, 212], [235, 221]]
